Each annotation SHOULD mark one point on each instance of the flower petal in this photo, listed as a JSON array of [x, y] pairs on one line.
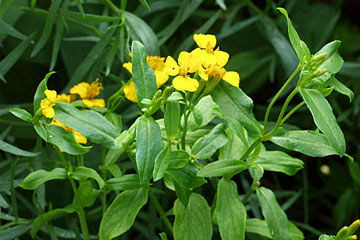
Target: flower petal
[[47, 108], [161, 78], [221, 57], [79, 137], [130, 92], [205, 40], [171, 67], [232, 77], [81, 89], [94, 102], [185, 83], [51, 95], [189, 62], [128, 66]]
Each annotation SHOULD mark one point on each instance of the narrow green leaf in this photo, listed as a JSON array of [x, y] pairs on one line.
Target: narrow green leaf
[[197, 211], [148, 146], [179, 159], [235, 103], [223, 168], [22, 114], [125, 182], [333, 61], [230, 212], [275, 217], [10, 30], [294, 37], [234, 148], [183, 194], [114, 49], [50, 20], [34, 179], [83, 173], [14, 232], [278, 161], [341, 88], [324, 118], [141, 31], [14, 55], [120, 215], [61, 138], [172, 118], [39, 94], [161, 163], [89, 60], [163, 236], [143, 74], [313, 144], [145, 4], [186, 177], [91, 124], [57, 42], [5, 5], [208, 110], [221, 3], [85, 195], [205, 147], [115, 119], [46, 217], [237, 27], [6, 147], [79, 6]]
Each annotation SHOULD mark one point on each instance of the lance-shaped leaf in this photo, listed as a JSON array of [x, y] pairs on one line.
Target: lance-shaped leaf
[[324, 118], [22, 114], [313, 144], [10, 30], [34, 179], [275, 217], [172, 118], [223, 168], [205, 111], [6, 147], [192, 221], [278, 161], [294, 37], [179, 159], [207, 146], [333, 61], [85, 195], [235, 103], [230, 212], [341, 88], [161, 163], [143, 74], [91, 124], [125, 182], [186, 177], [148, 146], [82, 173], [120, 215], [39, 94]]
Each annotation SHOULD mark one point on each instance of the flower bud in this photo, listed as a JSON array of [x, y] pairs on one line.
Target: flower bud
[[318, 73], [342, 232], [167, 92], [354, 226], [352, 237], [157, 94], [319, 58]]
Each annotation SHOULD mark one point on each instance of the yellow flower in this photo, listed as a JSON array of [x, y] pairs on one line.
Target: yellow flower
[[65, 98], [88, 92], [78, 136], [188, 63], [130, 92], [157, 64], [48, 103], [206, 52], [218, 73]]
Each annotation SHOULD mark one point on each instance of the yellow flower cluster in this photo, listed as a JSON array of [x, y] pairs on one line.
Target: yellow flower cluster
[[206, 60], [87, 93]]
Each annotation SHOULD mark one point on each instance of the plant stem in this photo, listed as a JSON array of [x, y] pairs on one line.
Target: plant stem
[[186, 116], [278, 95], [246, 154], [253, 187], [160, 211], [112, 6], [291, 112]]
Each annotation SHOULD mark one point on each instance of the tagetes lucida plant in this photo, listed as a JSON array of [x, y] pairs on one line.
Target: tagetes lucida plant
[[204, 128]]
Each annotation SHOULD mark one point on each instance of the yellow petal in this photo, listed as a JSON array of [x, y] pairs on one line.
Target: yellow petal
[[81, 89], [59, 124], [221, 57], [51, 95], [64, 98], [156, 63], [130, 92], [203, 74], [161, 78], [94, 89], [185, 83], [206, 41], [232, 77], [79, 137], [47, 108], [171, 67], [188, 62], [128, 66], [94, 102]]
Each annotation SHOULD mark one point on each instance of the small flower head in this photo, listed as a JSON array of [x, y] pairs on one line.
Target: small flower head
[[88, 92], [130, 92], [48, 103], [218, 73]]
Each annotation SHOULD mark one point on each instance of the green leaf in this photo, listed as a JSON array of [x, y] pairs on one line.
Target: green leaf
[[333, 61], [141, 31], [126, 182], [79, 6], [206, 110], [194, 220], [89, 60], [234, 148], [61, 138], [163, 236], [115, 119], [148, 146], [39, 94], [143, 74], [294, 37], [275, 217], [57, 42], [46, 217], [161, 163], [324, 118], [230, 211], [313, 144], [223, 168], [277, 161], [178, 159], [14, 55], [85, 196], [10, 30], [34, 179], [254, 225], [233, 102], [145, 4], [120, 215], [91, 124], [172, 118], [22, 114], [14, 232], [83, 173], [341, 88], [50, 20], [113, 51], [205, 147], [186, 177], [6, 147], [183, 194]]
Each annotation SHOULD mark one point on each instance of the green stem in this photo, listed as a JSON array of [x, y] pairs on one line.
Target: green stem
[[104, 176], [112, 6], [291, 112], [253, 187], [160, 211], [278, 95], [246, 154], [186, 116]]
